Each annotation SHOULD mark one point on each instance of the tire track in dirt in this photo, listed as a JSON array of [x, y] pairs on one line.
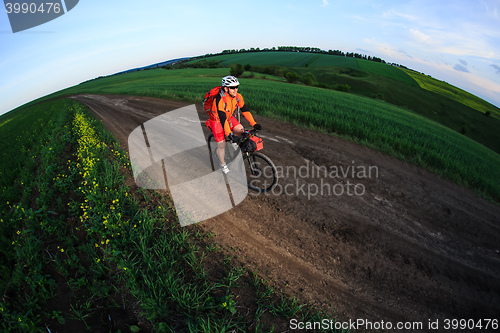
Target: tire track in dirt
[[412, 247]]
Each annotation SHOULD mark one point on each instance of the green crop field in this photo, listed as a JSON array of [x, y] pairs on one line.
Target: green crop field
[[392, 72], [323, 60], [287, 59], [312, 60]]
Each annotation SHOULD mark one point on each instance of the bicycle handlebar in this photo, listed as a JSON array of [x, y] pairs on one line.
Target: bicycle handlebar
[[247, 133], [252, 131]]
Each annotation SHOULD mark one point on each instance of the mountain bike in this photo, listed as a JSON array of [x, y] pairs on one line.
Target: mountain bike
[[261, 173]]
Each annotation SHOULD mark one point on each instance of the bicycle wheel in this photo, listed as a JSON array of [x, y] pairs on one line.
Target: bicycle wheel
[[262, 175], [212, 146]]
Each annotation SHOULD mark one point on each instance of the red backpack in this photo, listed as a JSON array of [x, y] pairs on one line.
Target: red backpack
[[209, 100]]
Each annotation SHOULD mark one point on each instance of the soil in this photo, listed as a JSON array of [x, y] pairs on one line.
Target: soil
[[350, 229]]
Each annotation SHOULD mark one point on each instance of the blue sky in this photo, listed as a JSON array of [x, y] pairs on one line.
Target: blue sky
[[457, 41]]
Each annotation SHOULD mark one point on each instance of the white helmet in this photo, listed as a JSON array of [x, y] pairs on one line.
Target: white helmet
[[230, 81]]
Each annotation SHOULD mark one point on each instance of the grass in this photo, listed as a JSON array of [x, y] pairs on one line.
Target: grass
[[80, 246], [391, 72]]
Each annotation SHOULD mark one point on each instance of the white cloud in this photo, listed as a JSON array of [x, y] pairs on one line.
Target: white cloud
[[491, 9], [393, 14], [466, 42], [467, 28], [388, 50], [421, 37]]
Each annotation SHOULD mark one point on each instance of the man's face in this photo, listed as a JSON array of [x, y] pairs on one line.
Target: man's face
[[232, 91]]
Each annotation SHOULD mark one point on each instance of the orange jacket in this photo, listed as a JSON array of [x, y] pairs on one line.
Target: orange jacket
[[225, 106]]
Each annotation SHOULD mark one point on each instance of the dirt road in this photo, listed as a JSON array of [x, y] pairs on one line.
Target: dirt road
[[352, 229]]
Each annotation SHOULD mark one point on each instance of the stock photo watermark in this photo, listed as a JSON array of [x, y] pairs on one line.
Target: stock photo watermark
[[27, 14], [311, 180], [425, 325], [170, 152]]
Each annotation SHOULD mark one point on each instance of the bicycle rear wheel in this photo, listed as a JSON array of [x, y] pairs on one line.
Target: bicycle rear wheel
[[261, 172]]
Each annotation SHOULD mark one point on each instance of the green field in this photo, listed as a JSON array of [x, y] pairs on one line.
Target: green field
[[385, 70], [287, 59], [313, 61]]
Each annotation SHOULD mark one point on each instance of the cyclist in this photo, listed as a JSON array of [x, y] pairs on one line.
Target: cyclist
[[222, 121]]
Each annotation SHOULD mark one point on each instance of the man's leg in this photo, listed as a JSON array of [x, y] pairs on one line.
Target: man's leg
[[220, 139], [221, 149]]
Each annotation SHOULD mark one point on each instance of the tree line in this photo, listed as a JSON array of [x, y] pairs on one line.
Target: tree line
[[213, 64], [300, 49]]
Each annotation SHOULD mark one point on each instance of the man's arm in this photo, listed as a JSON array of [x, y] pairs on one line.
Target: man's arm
[[248, 116]]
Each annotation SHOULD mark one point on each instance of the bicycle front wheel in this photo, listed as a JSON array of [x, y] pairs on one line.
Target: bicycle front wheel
[[261, 172]]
